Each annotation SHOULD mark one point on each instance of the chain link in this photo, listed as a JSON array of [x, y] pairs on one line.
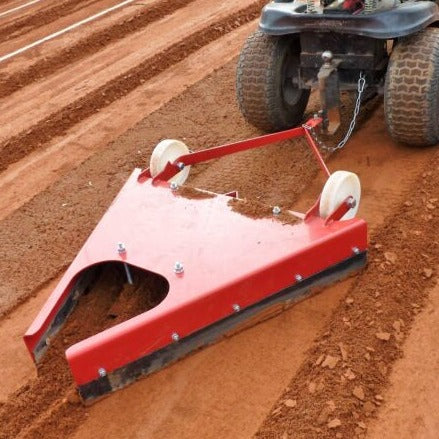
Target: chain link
[[360, 88]]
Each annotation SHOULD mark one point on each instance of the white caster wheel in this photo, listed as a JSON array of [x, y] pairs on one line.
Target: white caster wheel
[[339, 186], [169, 150]]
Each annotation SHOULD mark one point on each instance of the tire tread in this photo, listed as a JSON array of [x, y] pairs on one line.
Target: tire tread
[[257, 84], [411, 90]]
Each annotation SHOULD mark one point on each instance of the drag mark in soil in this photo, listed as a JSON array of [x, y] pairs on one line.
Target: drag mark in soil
[[339, 387], [42, 18], [18, 8], [64, 30], [48, 406], [48, 65], [57, 124]]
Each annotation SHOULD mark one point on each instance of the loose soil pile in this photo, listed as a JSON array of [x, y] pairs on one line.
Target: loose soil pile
[[254, 209]]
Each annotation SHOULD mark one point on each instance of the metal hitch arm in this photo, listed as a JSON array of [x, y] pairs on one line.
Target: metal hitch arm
[[329, 92], [172, 169]]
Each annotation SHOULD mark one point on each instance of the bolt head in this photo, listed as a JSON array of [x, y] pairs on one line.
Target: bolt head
[[178, 267], [173, 186], [355, 250], [352, 203], [175, 336], [121, 248], [327, 56], [298, 278], [180, 165], [236, 307], [102, 372], [276, 210]]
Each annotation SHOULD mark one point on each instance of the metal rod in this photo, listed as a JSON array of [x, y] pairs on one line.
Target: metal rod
[[243, 145], [216, 152], [172, 169], [316, 152], [128, 273]]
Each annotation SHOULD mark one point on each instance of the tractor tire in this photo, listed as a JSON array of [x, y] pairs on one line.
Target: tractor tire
[[267, 96], [411, 92]]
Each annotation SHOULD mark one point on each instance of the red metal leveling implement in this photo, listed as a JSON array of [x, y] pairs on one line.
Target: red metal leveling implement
[[221, 267]]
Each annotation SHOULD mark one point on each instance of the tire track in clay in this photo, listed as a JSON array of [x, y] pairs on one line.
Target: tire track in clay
[[57, 124]]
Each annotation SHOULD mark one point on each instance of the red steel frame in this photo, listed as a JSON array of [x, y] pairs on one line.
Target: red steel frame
[[229, 259], [220, 151]]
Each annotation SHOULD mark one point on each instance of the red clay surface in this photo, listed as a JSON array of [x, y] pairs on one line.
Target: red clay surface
[[356, 360], [413, 398]]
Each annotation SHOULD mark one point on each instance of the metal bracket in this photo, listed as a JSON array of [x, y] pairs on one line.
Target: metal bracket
[[329, 92], [348, 204]]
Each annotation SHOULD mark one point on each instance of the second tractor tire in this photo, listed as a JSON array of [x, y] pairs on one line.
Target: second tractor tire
[[411, 93]]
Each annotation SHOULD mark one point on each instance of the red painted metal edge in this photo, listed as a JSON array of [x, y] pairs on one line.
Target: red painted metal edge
[[154, 329]]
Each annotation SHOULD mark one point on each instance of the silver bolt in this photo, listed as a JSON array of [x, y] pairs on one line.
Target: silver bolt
[[298, 278], [327, 56], [276, 210], [356, 250], [173, 186], [236, 307], [316, 115], [121, 248], [180, 165], [175, 336], [102, 372], [178, 267], [352, 203]]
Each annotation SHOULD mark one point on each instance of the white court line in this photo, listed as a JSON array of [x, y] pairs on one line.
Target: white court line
[[10, 11], [63, 31]]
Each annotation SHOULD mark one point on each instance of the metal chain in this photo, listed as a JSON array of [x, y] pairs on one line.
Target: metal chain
[[360, 88]]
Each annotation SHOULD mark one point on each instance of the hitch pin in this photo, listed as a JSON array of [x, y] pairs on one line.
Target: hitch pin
[[122, 250], [128, 273]]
